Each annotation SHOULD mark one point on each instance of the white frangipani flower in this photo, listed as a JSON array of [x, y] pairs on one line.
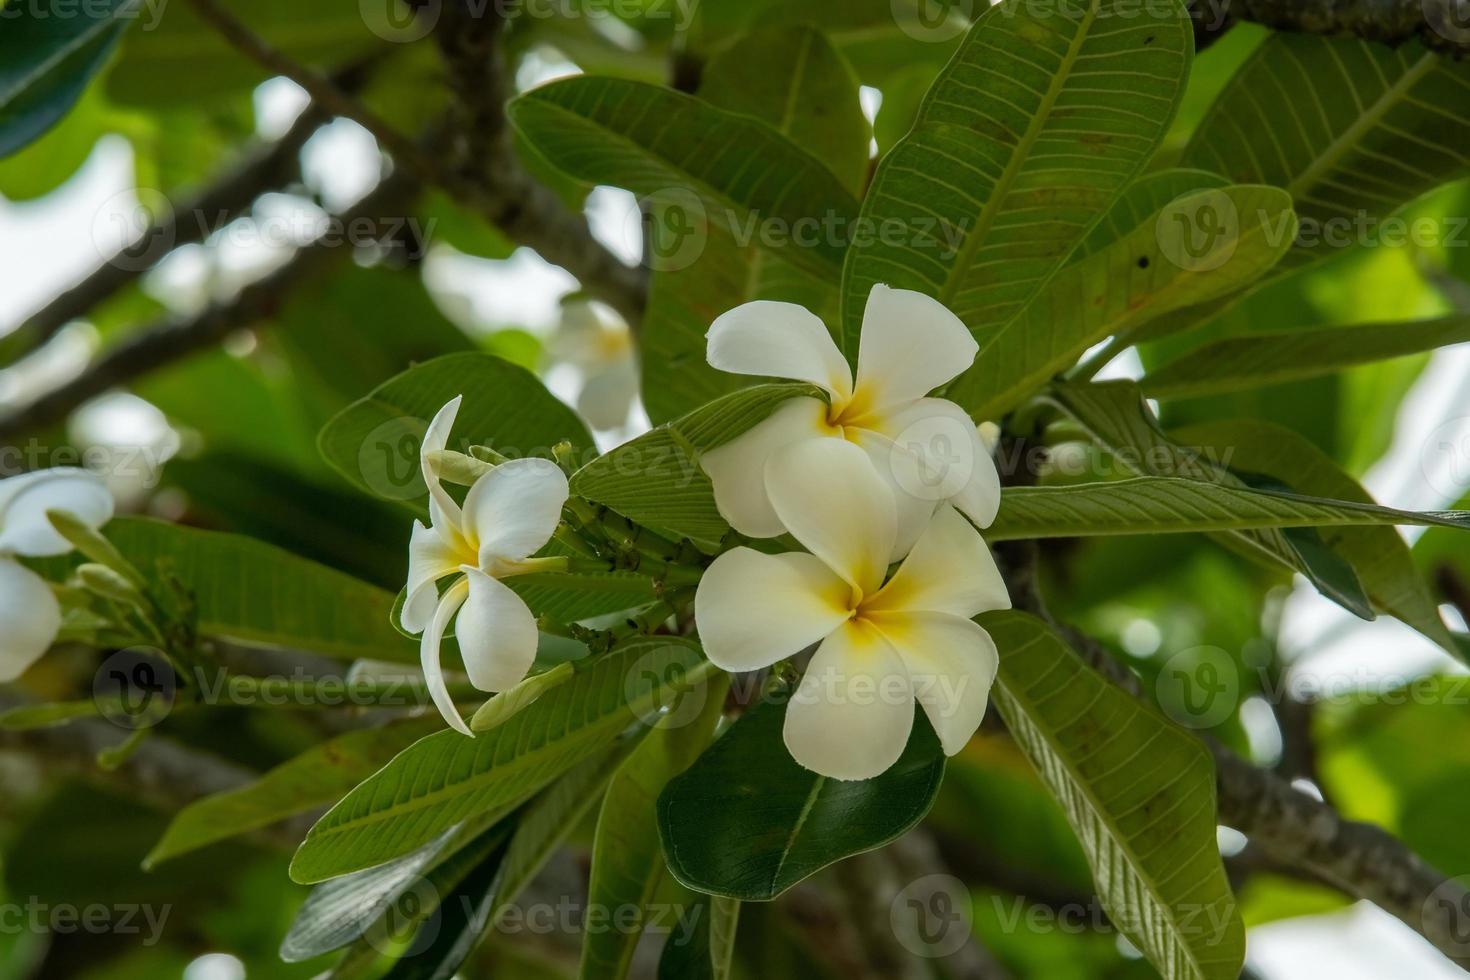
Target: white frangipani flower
[[601, 347], [30, 616], [883, 645], [509, 514], [926, 449]]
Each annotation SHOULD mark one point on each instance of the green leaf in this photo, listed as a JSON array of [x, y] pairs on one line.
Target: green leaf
[[1048, 110], [47, 57], [1350, 128], [747, 822], [705, 944], [1120, 288], [29, 717], [375, 441], [1142, 199], [1119, 421], [721, 167], [627, 862], [1138, 791], [1257, 360], [656, 480], [1166, 505], [319, 776], [1379, 555], [793, 79], [459, 921], [446, 777], [250, 591]]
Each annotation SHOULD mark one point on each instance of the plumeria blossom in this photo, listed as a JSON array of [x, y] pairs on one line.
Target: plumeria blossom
[[508, 515], [30, 616], [601, 347], [883, 645], [926, 449]]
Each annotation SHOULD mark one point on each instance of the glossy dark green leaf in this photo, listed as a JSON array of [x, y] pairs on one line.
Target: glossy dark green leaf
[[48, 55], [746, 822]]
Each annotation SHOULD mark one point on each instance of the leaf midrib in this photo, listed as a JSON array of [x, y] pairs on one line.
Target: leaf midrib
[[1018, 160], [63, 53]]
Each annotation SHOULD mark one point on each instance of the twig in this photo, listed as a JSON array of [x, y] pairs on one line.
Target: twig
[[175, 338], [499, 188], [1440, 25]]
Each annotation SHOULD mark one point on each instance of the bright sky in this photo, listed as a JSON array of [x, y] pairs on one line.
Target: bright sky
[[48, 244]]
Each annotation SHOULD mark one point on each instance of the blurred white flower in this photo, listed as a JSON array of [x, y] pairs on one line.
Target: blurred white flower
[[926, 449], [509, 514], [30, 616], [883, 645], [598, 344]]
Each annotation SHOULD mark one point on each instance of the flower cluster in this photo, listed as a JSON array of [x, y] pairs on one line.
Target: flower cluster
[[30, 615], [836, 476]]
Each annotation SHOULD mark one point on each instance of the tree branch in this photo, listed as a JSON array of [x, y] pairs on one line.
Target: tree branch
[[175, 338], [498, 188], [1440, 25]]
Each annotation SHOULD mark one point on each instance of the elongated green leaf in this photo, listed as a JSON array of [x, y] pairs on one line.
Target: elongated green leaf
[[375, 442], [1353, 130], [747, 822], [321, 775], [1378, 554], [1238, 363], [1139, 792], [705, 945], [1132, 281], [1144, 198], [722, 167], [47, 57], [627, 861], [446, 777], [1164, 505], [260, 594], [656, 479], [1040, 121], [794, 80], [1118, 419]]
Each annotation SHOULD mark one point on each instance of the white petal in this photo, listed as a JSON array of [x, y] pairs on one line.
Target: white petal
[[851, 716], [946, 458], [430, 558], [496, 633], [24, 501], [952, 664], [778, 340], [607, 395], [911, 344], [949, 571], [753, 609], [894, 464], [30, 618], [442, 508], [429, 645], [513, 510], [737, 469], [830, 498]]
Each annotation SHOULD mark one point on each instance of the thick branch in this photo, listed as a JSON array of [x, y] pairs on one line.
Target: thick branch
[[497, 187], [1440, 25], [174, 338]]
